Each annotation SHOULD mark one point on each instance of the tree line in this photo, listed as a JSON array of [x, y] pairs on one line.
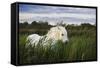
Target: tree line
[[34, 25], [45, 25]]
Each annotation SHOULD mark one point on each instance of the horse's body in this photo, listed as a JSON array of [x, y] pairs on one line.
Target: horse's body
[[53, 35]]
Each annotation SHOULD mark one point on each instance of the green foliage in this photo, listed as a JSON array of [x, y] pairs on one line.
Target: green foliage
[[81, 47]]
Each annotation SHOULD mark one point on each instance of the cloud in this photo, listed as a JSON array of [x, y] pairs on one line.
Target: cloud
[[53, 9], [53, 14]]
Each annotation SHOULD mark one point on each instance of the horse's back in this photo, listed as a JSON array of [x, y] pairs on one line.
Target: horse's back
[[33, 38]]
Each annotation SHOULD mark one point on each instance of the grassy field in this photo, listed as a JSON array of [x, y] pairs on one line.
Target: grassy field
[[81, 47]]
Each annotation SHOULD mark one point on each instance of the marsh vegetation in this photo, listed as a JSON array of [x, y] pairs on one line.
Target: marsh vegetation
[[81, 45]]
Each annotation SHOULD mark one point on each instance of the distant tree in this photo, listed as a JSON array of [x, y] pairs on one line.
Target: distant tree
[[25, 23], [46, 23], [85, 24], [21, 25], [34, 23]]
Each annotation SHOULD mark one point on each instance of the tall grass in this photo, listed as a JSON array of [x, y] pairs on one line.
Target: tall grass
[[81, 47]]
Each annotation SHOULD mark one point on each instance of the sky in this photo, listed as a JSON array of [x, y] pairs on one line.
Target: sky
[[55, 14]]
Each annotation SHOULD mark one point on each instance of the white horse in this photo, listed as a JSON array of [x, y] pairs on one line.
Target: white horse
[[54, 34]]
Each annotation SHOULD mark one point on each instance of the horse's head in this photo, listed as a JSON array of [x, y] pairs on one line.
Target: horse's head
[[58, 33]]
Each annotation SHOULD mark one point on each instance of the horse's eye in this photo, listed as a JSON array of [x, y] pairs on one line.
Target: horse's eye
[[62, 34]]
